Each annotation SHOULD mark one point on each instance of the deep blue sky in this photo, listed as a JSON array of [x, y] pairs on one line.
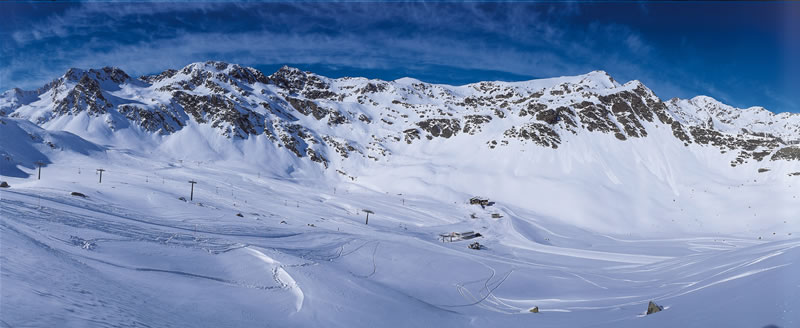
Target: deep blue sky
[[744, 54]]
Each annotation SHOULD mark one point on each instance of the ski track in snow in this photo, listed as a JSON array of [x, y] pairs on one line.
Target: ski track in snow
[[281, 277]]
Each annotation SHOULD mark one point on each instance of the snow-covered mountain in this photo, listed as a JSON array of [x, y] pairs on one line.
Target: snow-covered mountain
[[328, 121]]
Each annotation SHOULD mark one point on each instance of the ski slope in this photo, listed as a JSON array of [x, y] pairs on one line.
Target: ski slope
[[132, 254]]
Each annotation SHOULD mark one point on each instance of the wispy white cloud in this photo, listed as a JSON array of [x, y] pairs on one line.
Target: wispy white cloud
[[523, 39]]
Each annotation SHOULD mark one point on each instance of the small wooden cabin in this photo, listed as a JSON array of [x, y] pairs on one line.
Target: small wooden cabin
[[479, 201]]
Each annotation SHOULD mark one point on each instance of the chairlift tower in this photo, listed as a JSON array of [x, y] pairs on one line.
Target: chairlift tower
[[101, 175]]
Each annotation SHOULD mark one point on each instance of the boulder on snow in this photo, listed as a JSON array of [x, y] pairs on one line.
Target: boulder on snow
[[75, 193], [239, 215], [535, 309], [475, 245], [4, 184], [653, 308]]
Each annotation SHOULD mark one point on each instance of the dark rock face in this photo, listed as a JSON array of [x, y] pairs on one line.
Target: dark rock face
[[344, 148], [221, 113], [538, 133], [279, 112], [289, 79], [678, 132], [441, 127], [596, 118], [549, 116], [160, 77], [566, 115], [337, 118], [709, 137], [306, 107], [297, 139], [472, 123], [297, 82], [411, 135], [163, 120], [314, 156], [627, 117], [247, 75], [532, 109], [114, 74], [787, 154], [85, 96], [374, 88]]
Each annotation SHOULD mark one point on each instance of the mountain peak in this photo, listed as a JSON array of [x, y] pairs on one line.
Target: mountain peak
[[290, 78], [599, 80], [107, 73]]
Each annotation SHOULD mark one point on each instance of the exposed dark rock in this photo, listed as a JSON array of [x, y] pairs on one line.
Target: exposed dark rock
[[472, 123], [289, 78], [759, 155], [336, 118], [787, 154], [306, 107], [247, 75], [653, 308], [78, 194], [161, 76], [163, 120], [532, 109], [549, 116], [221, 113], [410, 135], [678, 132], [316, 157], [708, 136], [341, 147], [566, 115], [85, 96], [596, 118], [319, 94], [538, 133], [373, 88], [440, 127], [630, 123], [279, 111]]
